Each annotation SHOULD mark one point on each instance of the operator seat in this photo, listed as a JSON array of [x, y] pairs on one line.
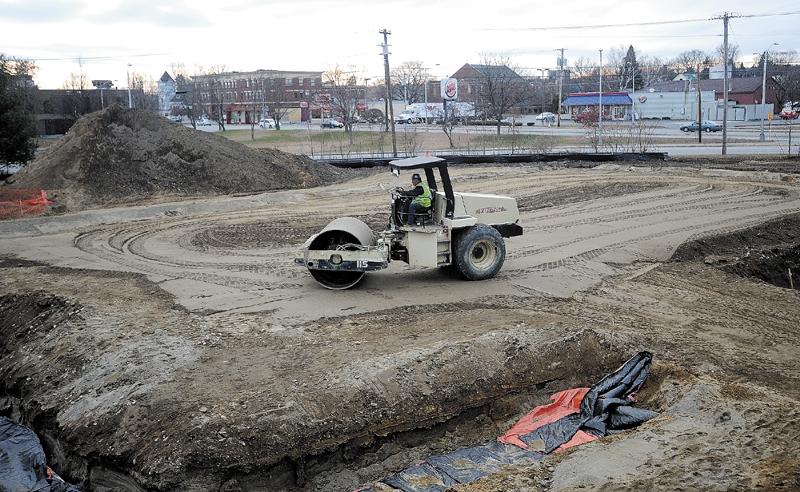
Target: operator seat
[[426, 216]]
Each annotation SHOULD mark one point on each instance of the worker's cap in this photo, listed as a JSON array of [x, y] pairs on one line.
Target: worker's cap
[[416, 176]]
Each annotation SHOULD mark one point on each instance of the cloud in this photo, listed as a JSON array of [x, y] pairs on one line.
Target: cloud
[[38, 12], [173, 14]]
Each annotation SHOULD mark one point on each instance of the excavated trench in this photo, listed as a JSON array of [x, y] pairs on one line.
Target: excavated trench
[[578, 360]]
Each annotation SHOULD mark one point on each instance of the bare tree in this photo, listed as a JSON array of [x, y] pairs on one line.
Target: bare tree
[[145, 90], [276, 98], [653, 70], [582, 73], [783, 69], [189, 95], [501, 86], [695, 61], [212, 90], [76, 81], [345, 94], [408, 81], [178, 70], [787, 57], [449, 123], [733, 54]]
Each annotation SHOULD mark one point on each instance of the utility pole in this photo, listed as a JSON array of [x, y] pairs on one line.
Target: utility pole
[[699, 107], [725, 87], [560, 81], [390, 113], [725, 18]]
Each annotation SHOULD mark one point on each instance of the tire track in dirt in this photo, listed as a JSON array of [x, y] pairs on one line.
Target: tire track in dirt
[[253, 250]]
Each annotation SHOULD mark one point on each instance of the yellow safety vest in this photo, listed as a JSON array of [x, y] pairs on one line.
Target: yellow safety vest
[[425, 198]]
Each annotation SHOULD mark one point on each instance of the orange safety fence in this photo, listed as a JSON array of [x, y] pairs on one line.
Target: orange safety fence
[[16, 203]]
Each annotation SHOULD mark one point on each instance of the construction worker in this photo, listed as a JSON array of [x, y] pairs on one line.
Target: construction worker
[[421, 201]]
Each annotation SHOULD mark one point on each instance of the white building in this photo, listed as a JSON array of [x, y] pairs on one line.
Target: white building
[[166, 94]]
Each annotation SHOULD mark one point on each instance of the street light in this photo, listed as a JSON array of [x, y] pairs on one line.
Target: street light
[[130, 101], [600, 113], [427, 113], [541, 80], [764, 92], [633, 93]]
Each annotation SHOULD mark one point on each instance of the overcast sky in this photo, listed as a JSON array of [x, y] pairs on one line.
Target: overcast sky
[[114, 37]]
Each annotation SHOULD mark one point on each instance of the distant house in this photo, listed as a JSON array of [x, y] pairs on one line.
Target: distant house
[[166, 95]]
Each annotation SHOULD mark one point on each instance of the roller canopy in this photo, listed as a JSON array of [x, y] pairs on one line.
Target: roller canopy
[[428, 163]]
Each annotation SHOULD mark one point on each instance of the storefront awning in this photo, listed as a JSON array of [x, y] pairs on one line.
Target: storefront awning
[[593, 99]]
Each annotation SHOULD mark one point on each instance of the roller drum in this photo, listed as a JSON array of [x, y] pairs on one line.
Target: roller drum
[[338, 233]]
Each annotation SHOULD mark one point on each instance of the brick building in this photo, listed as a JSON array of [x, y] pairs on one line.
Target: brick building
[[473, 81], [244, 97]]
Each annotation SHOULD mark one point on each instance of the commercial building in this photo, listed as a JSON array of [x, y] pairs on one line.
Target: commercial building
[[678, 99], [245, 97]]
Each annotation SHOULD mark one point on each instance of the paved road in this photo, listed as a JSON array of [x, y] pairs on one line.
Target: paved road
[[743, 137]]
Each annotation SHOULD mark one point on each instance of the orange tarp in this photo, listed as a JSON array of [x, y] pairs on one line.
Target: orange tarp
[[564, 403]]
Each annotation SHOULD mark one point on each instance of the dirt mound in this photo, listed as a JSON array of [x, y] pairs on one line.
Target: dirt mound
[[118, 156], [783, 232]]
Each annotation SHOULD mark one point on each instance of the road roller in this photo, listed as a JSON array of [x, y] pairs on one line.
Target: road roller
[[462, 230]]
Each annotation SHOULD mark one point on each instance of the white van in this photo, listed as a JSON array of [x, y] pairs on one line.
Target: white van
[[266, 123]]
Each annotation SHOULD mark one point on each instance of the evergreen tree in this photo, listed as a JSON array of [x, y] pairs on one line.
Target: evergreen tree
[[17, 124], [631, 70]]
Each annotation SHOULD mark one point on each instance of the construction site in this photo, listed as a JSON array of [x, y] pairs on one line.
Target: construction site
[[158, 333]]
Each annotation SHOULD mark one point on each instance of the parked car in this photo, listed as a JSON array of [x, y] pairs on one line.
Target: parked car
[[203, 122], [707, 126], [176, 119], [546, 117], [266, 123], [789, 114], [589, 117], [331, 124]]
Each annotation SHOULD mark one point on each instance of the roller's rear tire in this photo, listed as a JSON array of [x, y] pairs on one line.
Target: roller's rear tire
[[479, 252]]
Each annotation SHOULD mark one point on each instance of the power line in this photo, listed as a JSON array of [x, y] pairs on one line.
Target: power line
[[120, 57], [657, 23], [598, 26]]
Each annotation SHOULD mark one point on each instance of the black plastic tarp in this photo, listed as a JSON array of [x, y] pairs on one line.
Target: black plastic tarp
[[605, 409], [23, 466]]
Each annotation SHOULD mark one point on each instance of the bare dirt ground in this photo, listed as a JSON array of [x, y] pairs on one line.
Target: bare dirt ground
[[187, 352], [176, 346]]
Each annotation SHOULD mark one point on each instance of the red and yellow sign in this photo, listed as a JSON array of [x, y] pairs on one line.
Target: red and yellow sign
[[449, 89]]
